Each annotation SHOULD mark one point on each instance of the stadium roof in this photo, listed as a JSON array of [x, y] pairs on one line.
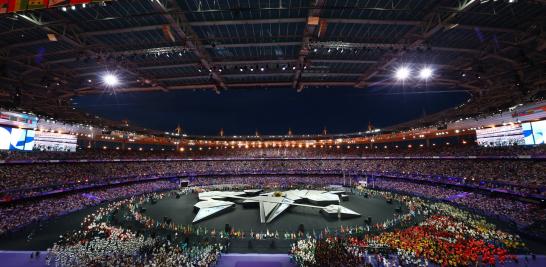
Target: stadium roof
[[494, 49]]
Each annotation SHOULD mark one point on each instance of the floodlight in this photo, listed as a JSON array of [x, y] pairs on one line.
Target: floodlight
[[402, 73], [425, 73], [110, 80]]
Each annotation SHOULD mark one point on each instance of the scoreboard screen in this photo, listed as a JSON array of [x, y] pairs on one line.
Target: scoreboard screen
[[507, 135], [535, 132], [45, 141], [16, 139]]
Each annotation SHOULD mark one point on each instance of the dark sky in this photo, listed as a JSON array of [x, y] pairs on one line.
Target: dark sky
[[271, 111]]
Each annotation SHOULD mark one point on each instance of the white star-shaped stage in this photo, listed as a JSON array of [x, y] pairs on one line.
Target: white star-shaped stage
[[271, 204]]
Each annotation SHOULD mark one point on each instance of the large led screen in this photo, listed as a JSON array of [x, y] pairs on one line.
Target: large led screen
[[528, 133], [539, 131], [534, 133], [55, 142], [507, 135], [16, 139]]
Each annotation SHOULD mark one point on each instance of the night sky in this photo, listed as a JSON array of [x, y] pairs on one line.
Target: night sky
[[271, 111]]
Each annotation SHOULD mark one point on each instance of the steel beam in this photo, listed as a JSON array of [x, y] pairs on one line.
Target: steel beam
[[433, 22], [315, 44], [253, 62], [155, 67], [516, 67], [267, 84], [194, 45], [257, 74], [178, 78], [328, 83], [242, 75], [123, 30], [253, 45], [342, 61], [242, 63], [481, 28], [277, 84], [75, 42], [350, 21], [246, 22], [446, 26], [29, 43], [335, 74], [149, 89], [309, 30], [215, 64]]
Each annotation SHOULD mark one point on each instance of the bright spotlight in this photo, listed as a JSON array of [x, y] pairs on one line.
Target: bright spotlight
[[402, 73], [425, 73], [110, 80]]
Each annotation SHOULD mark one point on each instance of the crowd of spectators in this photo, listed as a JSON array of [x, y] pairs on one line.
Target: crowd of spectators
[[131, 250], [274, 181], [418, 189], [445, 236], [521, 213], [516, 175], [456, 231], [432, 233], [99, 243], [512, 210], [16, 215], [425, 177]]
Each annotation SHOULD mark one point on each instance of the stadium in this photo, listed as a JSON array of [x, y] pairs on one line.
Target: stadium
[[272, 133]]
